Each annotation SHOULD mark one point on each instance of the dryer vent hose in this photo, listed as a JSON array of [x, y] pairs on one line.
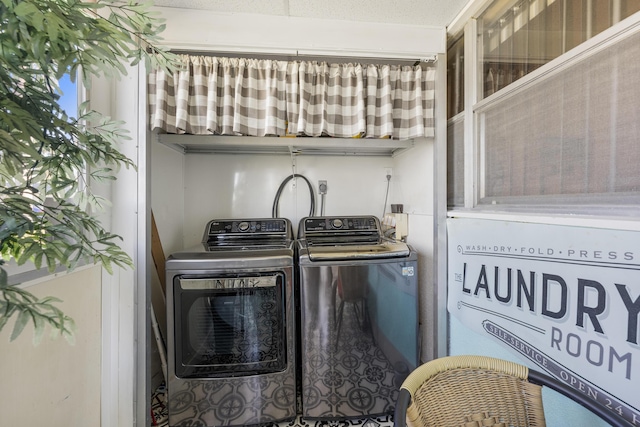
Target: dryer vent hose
[[276, 201]]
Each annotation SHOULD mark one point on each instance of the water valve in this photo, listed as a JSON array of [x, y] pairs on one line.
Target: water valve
[[322, 187]]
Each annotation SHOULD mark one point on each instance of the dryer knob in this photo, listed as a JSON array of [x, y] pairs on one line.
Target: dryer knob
[[243, 226], [336, 223]]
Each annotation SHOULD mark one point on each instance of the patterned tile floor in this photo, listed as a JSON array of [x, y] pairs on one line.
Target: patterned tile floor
[[159, 417]]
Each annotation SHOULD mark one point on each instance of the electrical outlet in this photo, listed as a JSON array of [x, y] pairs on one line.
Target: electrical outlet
[[322, 187], [388, 172]]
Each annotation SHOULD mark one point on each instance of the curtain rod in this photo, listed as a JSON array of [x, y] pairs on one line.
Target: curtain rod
[[308, 55]]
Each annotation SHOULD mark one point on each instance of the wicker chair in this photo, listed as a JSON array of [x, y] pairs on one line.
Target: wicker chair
[[476, 391]]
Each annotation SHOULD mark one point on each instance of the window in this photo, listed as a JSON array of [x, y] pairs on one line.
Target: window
[[518, 38], [69, 103], [563, 140], [455, 125], [571, 136]]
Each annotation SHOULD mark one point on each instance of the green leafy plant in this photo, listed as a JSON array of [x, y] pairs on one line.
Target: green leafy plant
[[49, 157]]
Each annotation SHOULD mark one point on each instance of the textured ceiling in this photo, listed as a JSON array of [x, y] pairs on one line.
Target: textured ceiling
[[438, 13]]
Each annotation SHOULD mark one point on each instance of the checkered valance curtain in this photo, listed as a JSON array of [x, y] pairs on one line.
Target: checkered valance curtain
[[256, 97]]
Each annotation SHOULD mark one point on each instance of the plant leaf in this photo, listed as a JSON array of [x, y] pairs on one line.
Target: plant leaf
[[38, 333], [47, 203], [21, 322]]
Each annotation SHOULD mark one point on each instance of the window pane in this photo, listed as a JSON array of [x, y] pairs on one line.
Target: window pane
[[455, 163], [518, 39], [69, 96], [455, 78], [570, 134]]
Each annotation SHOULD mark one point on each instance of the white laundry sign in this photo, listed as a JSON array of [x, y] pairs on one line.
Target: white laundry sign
[[565, 298]]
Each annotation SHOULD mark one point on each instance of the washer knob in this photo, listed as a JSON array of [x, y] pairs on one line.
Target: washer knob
[[243, 226], [336, 223]]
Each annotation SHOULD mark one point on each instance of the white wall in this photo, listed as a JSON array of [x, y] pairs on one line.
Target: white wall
[[188, 190], [55, 383], [406, 12], [414, 188], [237, 186], [212, 31], [125, 300], [167, 195]]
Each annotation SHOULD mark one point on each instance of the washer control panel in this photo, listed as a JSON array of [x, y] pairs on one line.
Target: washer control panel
[[332, 224]]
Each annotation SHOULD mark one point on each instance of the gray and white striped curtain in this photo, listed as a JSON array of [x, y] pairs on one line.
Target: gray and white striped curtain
[[257, 97]]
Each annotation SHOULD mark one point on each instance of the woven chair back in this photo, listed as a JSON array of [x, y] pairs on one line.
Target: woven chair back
[[472, 395]]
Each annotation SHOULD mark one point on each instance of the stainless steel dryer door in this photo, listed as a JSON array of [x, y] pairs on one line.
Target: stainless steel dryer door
[[229, 325]]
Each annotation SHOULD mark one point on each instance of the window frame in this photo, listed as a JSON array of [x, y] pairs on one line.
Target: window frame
[[614, 204]]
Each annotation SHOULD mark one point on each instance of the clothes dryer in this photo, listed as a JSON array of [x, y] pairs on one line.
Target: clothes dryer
[[231, 326]]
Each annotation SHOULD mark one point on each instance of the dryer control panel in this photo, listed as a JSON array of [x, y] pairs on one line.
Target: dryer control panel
[[247, 232], [217, 227]]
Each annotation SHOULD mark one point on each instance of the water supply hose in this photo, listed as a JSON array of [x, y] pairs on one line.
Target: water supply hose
[[276, 201]]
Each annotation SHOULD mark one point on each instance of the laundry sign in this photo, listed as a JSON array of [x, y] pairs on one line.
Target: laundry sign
[[565, 298]]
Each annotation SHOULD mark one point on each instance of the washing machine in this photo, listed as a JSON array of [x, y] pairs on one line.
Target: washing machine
[[231, 326], [358, 317]]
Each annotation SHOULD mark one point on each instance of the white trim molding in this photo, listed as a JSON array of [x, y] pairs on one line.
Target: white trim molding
[[126, 396], [211, 31]]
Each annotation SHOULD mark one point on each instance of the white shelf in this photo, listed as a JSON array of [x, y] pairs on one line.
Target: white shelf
[[189, 144]]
